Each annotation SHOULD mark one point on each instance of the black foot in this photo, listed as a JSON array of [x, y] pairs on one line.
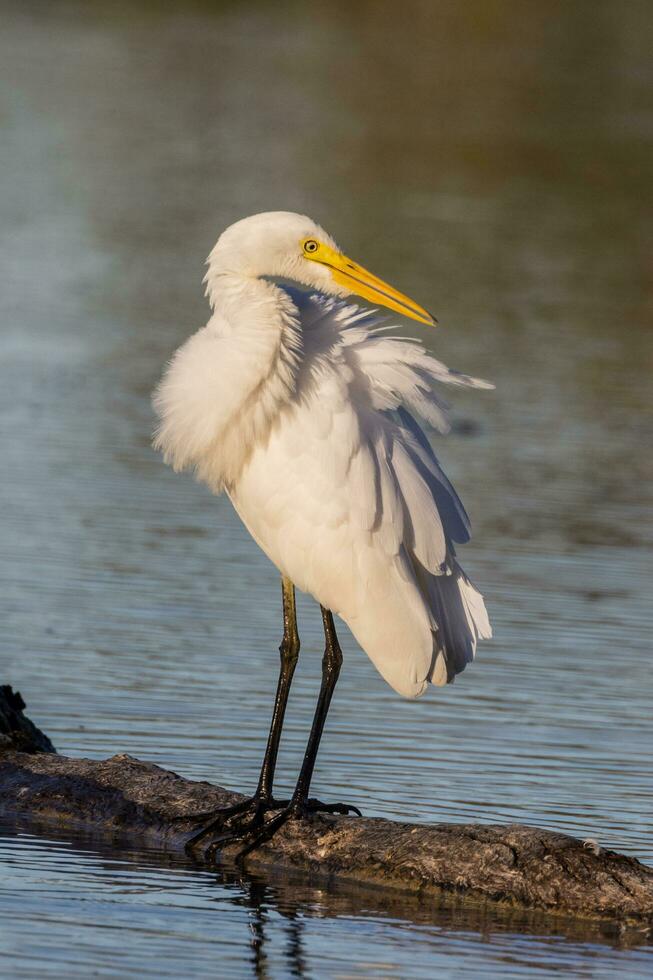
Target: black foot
[[317, 806], [238, 818], [251, 834]]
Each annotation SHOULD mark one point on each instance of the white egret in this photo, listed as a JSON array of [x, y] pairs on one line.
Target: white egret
[[303, 409]]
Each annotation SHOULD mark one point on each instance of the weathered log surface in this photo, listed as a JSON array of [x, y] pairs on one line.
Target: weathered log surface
[[522, 866]]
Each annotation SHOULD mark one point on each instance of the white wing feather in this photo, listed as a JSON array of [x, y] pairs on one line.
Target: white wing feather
[[332, 474], [366, 518]]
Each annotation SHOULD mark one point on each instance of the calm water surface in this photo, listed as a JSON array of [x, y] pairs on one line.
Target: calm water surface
[[494, 162], [137, 913]]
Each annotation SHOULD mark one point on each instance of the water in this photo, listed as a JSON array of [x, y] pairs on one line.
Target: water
[[492, 161], [138, 913], [134, 913]]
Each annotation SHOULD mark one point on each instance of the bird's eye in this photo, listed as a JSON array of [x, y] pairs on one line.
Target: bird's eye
[[310, 245]]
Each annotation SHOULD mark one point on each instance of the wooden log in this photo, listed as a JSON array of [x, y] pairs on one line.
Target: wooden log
[[524, 867], [16, 730]]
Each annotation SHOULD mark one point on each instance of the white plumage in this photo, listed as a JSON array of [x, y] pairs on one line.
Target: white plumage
[[304, 409]]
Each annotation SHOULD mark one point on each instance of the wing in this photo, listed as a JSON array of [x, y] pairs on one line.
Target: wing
[[389, 383], [364, 517]]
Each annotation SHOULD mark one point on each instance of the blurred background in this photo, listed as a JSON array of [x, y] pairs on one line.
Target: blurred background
[[493, 159]]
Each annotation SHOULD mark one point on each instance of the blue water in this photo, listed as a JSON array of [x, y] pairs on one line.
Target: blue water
[[134, 913], [493, 163]]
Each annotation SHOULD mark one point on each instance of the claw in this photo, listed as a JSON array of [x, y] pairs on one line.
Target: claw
[[317, 806], [267, 831], [222, 817], [225, 812], [193, 841], [217, 845], [257, 831], [244, 823]]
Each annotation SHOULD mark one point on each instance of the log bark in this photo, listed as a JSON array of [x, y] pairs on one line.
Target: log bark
[[524, 867]]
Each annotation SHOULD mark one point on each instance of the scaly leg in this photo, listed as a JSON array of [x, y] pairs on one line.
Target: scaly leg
[[252, 810], [300, 805]]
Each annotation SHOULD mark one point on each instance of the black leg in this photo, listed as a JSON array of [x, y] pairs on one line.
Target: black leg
[[289, 651], [300, 805], [331, 664], [263, 800]]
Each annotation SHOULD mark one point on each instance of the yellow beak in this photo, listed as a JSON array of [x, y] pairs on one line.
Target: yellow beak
[[358, 280]]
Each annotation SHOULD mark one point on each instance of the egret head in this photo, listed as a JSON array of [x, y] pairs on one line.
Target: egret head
[[286, 246]]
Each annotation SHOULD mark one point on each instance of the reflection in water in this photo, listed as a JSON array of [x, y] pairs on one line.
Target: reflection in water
[[492, 159], [257, 897], [231, 924]]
